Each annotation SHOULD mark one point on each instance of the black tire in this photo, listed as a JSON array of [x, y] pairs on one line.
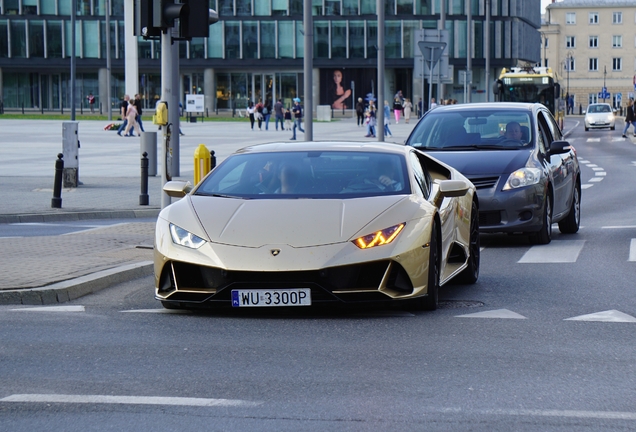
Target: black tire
[[572, 221], [429, 303], [587, 129], [471, 273], [544, 235]]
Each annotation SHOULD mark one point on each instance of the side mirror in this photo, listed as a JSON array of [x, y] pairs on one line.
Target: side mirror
[[559, 147], [177, 188], [453, 188]]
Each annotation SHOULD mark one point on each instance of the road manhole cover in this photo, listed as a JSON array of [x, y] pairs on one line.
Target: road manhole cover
[[457, 304]]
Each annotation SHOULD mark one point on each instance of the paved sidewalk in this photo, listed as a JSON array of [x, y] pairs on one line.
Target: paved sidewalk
[[55, 269]]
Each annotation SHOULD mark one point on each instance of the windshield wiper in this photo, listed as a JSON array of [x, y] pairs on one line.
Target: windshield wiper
[[219, 195]]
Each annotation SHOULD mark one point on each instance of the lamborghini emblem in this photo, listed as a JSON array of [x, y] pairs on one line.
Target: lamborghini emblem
[[275, 252]]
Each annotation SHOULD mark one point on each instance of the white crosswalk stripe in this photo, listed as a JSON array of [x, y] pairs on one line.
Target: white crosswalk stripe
[[499, 313], [558, 251], [605, 316], [69, 308]]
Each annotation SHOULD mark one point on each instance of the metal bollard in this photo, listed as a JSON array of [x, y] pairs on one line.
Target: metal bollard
[[212, 160], [143, 198], [201, 163], [56, 202]]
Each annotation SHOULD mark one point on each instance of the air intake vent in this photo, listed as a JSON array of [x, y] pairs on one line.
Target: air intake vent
[[484, 182]]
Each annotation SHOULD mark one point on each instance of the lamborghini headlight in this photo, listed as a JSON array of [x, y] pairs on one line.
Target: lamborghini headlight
[[523, 177], [185, 238], [379, 238]]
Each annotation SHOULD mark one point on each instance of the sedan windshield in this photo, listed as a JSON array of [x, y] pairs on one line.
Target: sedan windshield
[[599, 109], [314, 174], [473, 130]]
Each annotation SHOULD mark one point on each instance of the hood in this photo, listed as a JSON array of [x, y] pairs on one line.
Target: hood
[[484, 162], [294, 222]]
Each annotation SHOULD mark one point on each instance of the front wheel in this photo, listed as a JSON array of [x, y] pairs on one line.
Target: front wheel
[[544, 235], [471, 273], [572, 221]]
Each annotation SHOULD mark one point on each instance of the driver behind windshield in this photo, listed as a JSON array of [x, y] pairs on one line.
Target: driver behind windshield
[[513, 131]]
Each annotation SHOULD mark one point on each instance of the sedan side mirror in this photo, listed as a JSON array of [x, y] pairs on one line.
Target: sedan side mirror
[[560, 147]]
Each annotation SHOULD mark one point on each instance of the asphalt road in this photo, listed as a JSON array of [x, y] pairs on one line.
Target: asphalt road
[[543, 342]]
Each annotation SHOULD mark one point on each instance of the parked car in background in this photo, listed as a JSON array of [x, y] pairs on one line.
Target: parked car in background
[[527, 177], [599, 115], [301, 224]]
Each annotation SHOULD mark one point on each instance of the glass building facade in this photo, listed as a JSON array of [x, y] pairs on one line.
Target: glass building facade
[[254, 51]]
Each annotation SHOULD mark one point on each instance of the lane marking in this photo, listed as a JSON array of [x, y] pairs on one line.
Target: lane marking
[[601, 415], [593, 140], [51, 309], [498, 313], [598, 169], [127, 400], [583, 161], [632, 250], [558, 251], [600, 173], [96, 228], [586, 186], [619, 227], [606, 316], [591, 165], [158, 311], [596, 179]]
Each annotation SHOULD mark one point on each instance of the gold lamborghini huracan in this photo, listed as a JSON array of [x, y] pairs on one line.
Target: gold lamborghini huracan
[[317, 223]]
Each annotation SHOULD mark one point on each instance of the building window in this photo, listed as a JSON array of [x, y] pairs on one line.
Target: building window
[[593, 42], [593, 64], [592, 98], [570, 41], [570, 17], [569, 64], [593, 17], [617, 18], [617, 41], [617, 64], [356, 39]]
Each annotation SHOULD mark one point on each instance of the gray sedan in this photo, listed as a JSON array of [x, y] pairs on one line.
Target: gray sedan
[[527, 176]]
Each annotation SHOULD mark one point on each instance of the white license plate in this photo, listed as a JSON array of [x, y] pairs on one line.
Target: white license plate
[[271, 297]]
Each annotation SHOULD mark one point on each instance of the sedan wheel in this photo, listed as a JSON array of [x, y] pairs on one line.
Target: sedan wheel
[[544, 235], [571, 223], [429, 302], [471, 273]]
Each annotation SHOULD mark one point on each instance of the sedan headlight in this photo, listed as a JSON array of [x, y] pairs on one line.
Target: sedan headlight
[[523, 177], [379, 238], [185, 238]]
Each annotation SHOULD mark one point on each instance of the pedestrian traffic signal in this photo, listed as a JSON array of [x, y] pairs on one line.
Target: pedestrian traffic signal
[[199, 18], [155, 16]]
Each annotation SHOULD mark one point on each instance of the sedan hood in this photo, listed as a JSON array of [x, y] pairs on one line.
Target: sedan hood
[[484, 162], [293, 222]]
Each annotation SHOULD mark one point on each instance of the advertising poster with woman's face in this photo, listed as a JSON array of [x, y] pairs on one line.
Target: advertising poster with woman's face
[[336, 86]]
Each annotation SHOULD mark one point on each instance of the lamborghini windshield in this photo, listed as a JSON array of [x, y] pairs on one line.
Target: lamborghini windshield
[[473, 130], [315, 174]]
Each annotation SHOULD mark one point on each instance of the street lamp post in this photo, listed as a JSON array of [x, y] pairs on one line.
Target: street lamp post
[[568, 66], [604, 86]]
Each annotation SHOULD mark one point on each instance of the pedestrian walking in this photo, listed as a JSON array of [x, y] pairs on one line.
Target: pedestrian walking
[[259, 113], [288, 119], [131, 116], [298, 115], [387, 115], [123, 109], [91, 102], [370, 120], [397, 109], [267, 112], [433, 104], [408, 107], [278, 112], [629, 118], [360, 112], [138, 103], [250, 112], [420, 107]]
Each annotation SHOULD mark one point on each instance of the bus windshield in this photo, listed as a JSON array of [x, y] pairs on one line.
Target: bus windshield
[[529, 92]]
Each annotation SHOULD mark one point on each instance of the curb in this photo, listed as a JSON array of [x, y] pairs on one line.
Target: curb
[[61, 292], [78, 216]]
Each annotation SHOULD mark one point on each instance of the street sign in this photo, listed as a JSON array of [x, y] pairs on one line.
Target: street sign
[[605, 95], [619, 97]]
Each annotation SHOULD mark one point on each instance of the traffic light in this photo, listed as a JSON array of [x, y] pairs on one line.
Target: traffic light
[[154, 16], [199, 18], [144, 19], [164, 12]]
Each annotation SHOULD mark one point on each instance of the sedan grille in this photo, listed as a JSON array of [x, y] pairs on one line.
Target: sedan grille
[[489, 218], [484, 182]]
